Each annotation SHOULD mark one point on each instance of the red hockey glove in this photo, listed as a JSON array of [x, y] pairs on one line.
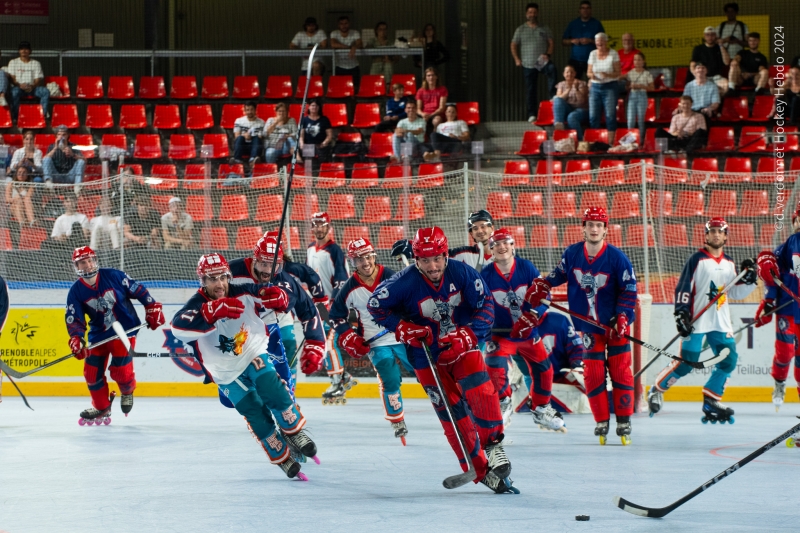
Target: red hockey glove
[[766, 306], [78, 348], [539, 289], [222, 308], [311, 358], [768, 269], [455, 344], [353, 343], [153, 315], [413, 335], [274, 298], [525, 325], [620, 325]]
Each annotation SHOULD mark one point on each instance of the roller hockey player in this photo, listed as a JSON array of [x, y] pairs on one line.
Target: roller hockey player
[[383, 350], [444, 305], [515, 322], [327, 260], [601, 285], [480, 226], [310, 280], [706, 273], [105, 294], [4, 307], [221, 322]]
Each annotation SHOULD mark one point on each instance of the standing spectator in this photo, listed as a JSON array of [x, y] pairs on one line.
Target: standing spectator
[[640, 81], [571, 103], [449, 136], [704, 94], [307, 38], [382, 64], [532, 48], [687, 131], [435, 53], [71, 228], [409, 130], [19, 197], [580, 36], [61, 163], [3, 88], [714, 56], [316, 130], [627, 53], [247, 132], [29, 156], [104, 228], [177, 226], [431, 98], [27, 77], [603, 74], [395, 109], [279, 134], [346, 39], [732, 32], [142, 226], [750, 67]]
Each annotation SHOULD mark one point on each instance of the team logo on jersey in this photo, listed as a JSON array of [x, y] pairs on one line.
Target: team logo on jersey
[[441, 312], [235, 344], [491, 347], [182, 354], [433, 396], [588, 342], [783, 324], [105, 306], [382, 294], [511, 300], [549, 342], [590, 284], [713, 290]]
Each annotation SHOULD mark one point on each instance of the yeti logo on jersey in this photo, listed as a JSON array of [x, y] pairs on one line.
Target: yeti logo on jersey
[[235, 344], [590, 285], [441, 312], [105, 306], [373, 302], [491, 346], [433, 396], [713, 290], [511, 300]]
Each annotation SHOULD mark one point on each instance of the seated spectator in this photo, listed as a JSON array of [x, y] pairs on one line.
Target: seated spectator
[[346, 39], [705, 96], [750, 67], [714, 56], [640, 81], [19, 197], [431, 99], [571, 102], [26, 77], [789, 94], [142, 227], [280, 134], [306, 39], [435, 53], [6, 152], [61, 163], [71, 228], [29, 156], [409, 130], [580, 36], [382, 64], [687, 131], [449, 136], [395, 109], [732, 32], [104, 228], [3, 88], [603, 73], [177, 227], [247, 131], [316, 130]]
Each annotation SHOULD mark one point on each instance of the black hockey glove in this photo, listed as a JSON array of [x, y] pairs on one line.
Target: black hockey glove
[[751, 277], [683, 323]]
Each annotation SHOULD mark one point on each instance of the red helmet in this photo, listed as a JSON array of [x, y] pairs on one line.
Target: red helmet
[[322, 219], [429, 242], [266, 247], [359, 248], [717, 222], [595, 214], [84, 252], [502, 234], [796, 212], [212, 265]]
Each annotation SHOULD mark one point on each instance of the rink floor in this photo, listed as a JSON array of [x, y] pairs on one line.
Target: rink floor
[[190, 465]]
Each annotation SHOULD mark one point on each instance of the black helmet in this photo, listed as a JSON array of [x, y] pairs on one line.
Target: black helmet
[[402, 248], [479, 215]]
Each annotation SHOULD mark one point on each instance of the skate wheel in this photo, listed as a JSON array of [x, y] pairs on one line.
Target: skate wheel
[[403, 440], [107, 421], [626, 440], [602, 440], [344, 401], [731, 420], [324, 401], [301, 476], [82, 422], [704, 420], [790, 442], [315, 459]]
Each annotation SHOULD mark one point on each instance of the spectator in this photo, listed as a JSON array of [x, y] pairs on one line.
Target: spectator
[[346, 39], [395, 109], [19, 197], [789, 94], [142, 226], [750, 67], [280, 134], [71, 228], [26, 77], [449, 136], [29, 156], [409, 130], [307, 38], [580, 35], [571, 103], [382, 64], [177, 227], [532, 48], [3, 88], [687, 130], [316, 130], [603, 74], [104, 228], [431, 98], [435, 53], [62, 164], [640, 81], [6, 155], [704, 94], [627, 53], [247, 132], [732, 32], [714, 57]]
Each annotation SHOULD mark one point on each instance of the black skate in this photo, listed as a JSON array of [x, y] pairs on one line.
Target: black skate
[[95, 416], [601, 430], [340, 384], [126, 403], [655, 400], [302, 444], [497, 459], [499, 485], [715, 411], [624, 429], [292, 469], [400, 430]]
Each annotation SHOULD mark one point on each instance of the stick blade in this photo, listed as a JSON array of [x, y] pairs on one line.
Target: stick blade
[[10, 371], [120, 331], [638, 510], [723, 353], [459, 480]]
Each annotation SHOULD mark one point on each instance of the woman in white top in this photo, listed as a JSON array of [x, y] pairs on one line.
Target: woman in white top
[[19, 197], [279, 133], [640, 81], [307, 38], [603, 73], [449, 135], [29, 156]]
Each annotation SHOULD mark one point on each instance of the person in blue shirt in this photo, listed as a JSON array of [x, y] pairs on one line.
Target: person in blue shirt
[[580, 36], [395, 109]]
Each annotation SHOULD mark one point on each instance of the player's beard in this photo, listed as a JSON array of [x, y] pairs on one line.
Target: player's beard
[[263, 277], [716, 246]]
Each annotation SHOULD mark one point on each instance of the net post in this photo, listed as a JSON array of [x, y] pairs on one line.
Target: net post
[[548, 147], [121, 223], [646, 239], [466, 199]]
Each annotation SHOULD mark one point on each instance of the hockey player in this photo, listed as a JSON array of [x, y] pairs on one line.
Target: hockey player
[[105, 294], [706, 273], [480, 225], [444, 305], [515, 322], [306, 276], [4, 307], [221, 322], [384, 350], [601, 285]]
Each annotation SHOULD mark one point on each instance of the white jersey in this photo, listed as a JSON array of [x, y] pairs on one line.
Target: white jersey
[[475, 256], [329, 264]]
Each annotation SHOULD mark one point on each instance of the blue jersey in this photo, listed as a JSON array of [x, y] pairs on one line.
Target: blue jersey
[[563, 345], [601, 288], [509, 294], [108, 301], [356, 295], [307, 275], [460, 299], [788, 255], [4, 303]]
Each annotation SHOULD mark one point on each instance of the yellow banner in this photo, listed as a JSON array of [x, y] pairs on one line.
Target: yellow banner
[[34, 337], [669, 42]]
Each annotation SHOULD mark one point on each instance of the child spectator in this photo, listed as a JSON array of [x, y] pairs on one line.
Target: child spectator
[[395, 109]]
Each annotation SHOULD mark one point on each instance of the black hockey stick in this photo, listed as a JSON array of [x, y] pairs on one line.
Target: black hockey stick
[[459, 479], [24, 399], [651, 512], [750, 325]]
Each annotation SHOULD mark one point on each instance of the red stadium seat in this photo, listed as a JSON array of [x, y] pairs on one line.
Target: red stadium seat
[[181, 146], [380, 145], [625, 205], [199, 207], [340, 87], [635, 173], [429, 175], [611, 172], [720, 139], [352, 233], [769, 237], [578, 172], [518, 232], [31, 117], [622, 132], [680, 79], [366, 116], [689, 204], [595, 135], [499, 204], [634, 237], [279, 88], [225, 171], [675, 171], [120, 88], [294, 111], [152, 88], [372, 86], [215, 87], [5, 240], [269, 207], [409, 81], [388, 235], [331, 176], [160, 203], [545, 115], [674, 235], [135, 168], [98, 116], [650, 111], [531, 142], [214, 238], [63, 84], [199, 117], [230, 112], [516, 174], [44, 140], [168, 175], [622, 117], [767, 168], [722, 203], [659, 203], [564, 205], [265, 176], [541, 176], [147, 146], [741, 235], [132, 117], [304, 206], [791, 142], [5, 118], [667, 106], [753, 139], [544, 237], [14, 140], [734, 109], [83, 139], [194, 175], [219, 144], [794, 169], [336, 113], [247, 237], [87, 204], [364, 175], [92, 173], [167, 117], [762, 106], [263, 111], [414, 203], [352, 138], [704, 169], [529, 204], [116, 140], [246, 87], [341, 206], [90, 88], [563, 134], [233, 208], [376, 209], [740, 169], [649, 140], [756, 202], [469, 112], [315, 88], [183, 88], [32, 238], [65, 115], [594, 199]]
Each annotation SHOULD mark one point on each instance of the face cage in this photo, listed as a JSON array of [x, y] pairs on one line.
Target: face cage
[[87, 274], [509, 241], [352, 260]]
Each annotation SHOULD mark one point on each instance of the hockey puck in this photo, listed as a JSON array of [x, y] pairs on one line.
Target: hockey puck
[[582, 518]]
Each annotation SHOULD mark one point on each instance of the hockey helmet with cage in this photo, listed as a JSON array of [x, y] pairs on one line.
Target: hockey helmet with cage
[[717, 222], [477, 216], [499, 235], [267, 247], [320, 219], [85, 252], [595, 214], [429, 242], [359, 248], [213, 264]]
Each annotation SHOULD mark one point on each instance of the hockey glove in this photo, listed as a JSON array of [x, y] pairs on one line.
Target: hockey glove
[[768, 267], [222, 308], [751, 277], [683, 322], [620, 325], [353, 343], [274, 298], [311, 358], [413, 335], [455, 344], [523, 327], [78, 348], [764, 312], [539, 289], [153, 315]]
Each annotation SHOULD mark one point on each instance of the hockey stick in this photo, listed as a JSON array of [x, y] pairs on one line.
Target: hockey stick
[[465, 477], [19, 375], [787, 290], [24, 399], [711, 302], [750, 325], [651, 512], [694, 364], [377, 336]]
